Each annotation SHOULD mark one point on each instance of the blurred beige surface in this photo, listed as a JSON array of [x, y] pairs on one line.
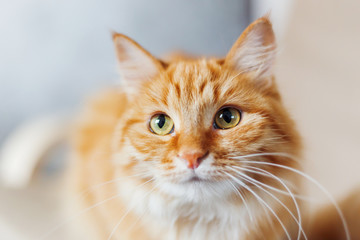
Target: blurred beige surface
[[318, 73], [28, 214], [319, 76]]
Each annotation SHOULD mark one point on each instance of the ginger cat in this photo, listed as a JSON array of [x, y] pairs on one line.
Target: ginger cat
[[191, 149]]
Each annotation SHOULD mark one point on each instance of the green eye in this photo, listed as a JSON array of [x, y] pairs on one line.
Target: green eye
[[161, 124], [227, 118]]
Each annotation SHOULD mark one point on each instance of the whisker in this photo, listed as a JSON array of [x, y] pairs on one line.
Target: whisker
[[115, 180], [289, 192], [279, 154], [243, 199], [137, 220], [54, 229], [258, 183], [247, 169], [66, 221], [262, 201], [268, 174], [312, 180], [128, 211]]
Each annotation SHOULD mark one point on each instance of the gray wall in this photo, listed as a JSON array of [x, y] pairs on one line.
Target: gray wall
[[53, 53]]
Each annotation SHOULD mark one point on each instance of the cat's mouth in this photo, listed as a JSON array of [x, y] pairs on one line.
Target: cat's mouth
[[195, 178]]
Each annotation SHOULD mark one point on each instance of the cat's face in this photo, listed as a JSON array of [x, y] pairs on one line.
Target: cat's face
[[188, 121]]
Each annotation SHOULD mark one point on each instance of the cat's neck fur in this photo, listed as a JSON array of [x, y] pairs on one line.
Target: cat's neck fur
[[211, 219]]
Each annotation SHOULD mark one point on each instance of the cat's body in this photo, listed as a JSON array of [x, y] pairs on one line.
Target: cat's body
[[195, 180]]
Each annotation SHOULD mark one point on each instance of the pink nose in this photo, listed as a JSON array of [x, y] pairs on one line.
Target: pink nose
[[193, 159]]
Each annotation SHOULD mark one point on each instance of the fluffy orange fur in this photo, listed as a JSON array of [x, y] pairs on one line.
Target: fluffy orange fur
[[147, 191]]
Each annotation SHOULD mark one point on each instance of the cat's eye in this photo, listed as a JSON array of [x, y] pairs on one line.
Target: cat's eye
[[161, 124], [227, 118]]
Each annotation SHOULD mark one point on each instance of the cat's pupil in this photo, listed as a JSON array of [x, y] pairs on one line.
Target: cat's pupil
[[160, 121], [227, 115]]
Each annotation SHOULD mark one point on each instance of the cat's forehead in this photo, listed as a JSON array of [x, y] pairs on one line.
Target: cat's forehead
[[203, 82], [195, 90], [194, 84], [193, 72]]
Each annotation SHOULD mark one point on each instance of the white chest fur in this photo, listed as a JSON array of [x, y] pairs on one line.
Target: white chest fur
[[177, 219]]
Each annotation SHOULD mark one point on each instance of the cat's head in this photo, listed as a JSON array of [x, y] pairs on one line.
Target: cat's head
[[188, 121]]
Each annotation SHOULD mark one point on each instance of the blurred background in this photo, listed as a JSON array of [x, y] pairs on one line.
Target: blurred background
[[53, 54]]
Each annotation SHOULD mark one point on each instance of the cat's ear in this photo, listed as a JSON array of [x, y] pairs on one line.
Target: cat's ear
[[254, 51], [135, 63]]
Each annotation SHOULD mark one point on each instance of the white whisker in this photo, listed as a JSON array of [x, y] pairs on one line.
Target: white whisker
[[46, 235], [262, 201], [128, 211], [66, 221], [137, 220], [95, 186], [312, 180], [258, 183], [268, 174], [279, 154], [243, 199]]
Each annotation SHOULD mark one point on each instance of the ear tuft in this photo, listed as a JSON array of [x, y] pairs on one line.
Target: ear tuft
[[136, 65], [255, 50]]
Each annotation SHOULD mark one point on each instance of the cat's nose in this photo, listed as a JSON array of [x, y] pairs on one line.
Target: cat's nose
[[193, 159]]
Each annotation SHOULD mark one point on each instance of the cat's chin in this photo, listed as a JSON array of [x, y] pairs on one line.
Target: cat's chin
[[196, 189]]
